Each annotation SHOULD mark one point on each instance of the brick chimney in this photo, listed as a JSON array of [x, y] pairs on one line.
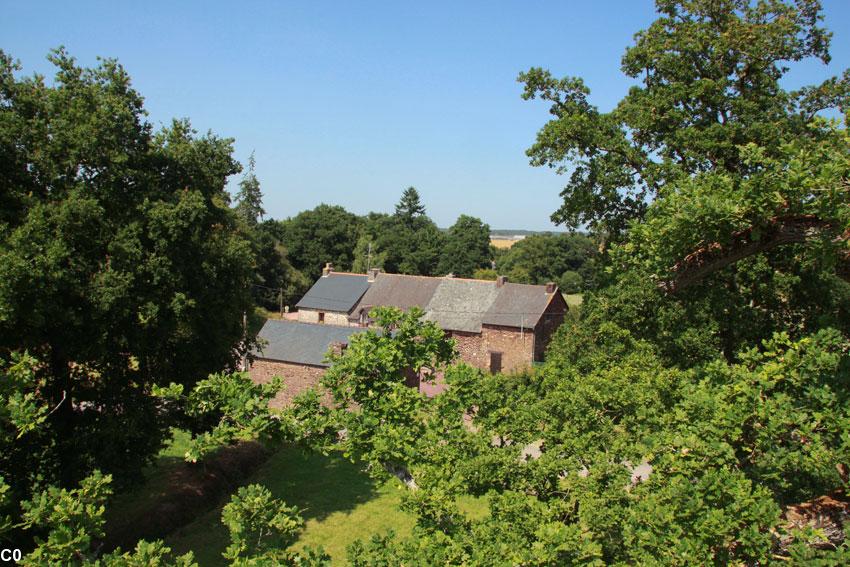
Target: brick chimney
[[373, 274], [551, 287], [501, 280], [327, 269]]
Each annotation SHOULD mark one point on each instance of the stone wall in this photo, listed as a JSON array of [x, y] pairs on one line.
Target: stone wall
[[331, 317], [296, 378], [549, 322], [516, 346]]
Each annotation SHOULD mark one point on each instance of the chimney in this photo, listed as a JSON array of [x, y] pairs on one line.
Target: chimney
[[327, 269], [373, 274], [501, 280], [450, 275], [551, 287]]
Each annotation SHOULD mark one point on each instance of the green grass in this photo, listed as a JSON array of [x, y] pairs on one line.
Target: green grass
[[338, 502]]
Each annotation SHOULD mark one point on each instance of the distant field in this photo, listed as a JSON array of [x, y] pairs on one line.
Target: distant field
[[503, 242]]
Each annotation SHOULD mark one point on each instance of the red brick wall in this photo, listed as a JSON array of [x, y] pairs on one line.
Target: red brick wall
[[296, 378], [548, 324], [517, 347]]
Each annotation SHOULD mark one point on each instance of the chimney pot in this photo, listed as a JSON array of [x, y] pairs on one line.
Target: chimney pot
[[327, 269], [551, 287], [501, 280], [373, 274]]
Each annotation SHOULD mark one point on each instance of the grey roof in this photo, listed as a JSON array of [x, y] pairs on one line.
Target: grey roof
[[459, 305], [302, 343], [337, 292], [397, 290], [518, 305]]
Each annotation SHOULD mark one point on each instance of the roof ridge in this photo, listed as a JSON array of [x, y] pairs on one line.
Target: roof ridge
[[347, 274], [296, 322]]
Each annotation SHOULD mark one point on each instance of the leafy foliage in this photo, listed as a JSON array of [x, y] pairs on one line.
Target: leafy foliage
[[376, 408], [324, 234], [467, 247], [117, 250], [562, 258], [258, 523]]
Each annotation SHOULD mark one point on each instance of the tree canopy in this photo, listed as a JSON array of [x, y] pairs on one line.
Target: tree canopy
[[117, 249], [466, 248]]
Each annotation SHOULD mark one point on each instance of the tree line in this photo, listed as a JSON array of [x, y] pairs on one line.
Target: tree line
[[291, 253]]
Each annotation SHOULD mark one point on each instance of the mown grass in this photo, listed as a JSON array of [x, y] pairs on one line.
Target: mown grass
[[338, 502]]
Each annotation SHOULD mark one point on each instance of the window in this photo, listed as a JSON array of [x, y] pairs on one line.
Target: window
[[321, 317], [495, 362]]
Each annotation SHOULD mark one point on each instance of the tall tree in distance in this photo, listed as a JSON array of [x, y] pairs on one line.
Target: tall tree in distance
[[249, 198], [467, 247], [324, 234], [409, 207]]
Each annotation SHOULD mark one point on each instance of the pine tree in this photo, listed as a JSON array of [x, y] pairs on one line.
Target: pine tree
[[249, 199], [409, 207]]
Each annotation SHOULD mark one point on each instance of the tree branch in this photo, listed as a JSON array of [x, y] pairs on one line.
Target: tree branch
[[780, 230]]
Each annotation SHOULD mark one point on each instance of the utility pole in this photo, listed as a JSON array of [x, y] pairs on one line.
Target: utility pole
[[280, 299], [245, 341], [369, 258]]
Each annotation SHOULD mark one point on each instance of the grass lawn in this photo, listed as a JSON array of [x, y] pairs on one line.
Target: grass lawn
[[339, 504]]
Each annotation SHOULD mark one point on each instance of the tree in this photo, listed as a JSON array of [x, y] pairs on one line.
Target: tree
[[710, 77], [249, 198], [258, 523], [467, 247], [409, 208], [117, 249], [275, 274], [324, 234], [722, 187], [541, 258], [389, 243]]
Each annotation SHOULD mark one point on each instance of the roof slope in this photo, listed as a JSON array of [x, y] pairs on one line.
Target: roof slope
[[518, 305], [397, 290], [335, 292], [459, 304], [302, 343]]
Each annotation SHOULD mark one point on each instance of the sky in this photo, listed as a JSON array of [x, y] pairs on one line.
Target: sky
[[349, 103]]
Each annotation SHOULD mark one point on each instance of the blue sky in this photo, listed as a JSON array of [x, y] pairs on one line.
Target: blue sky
[[350, 102]]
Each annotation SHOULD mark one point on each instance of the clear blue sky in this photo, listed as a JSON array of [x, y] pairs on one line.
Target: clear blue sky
[[350, 102]]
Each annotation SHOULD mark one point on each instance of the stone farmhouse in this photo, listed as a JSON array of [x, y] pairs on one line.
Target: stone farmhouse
[[498, 326]]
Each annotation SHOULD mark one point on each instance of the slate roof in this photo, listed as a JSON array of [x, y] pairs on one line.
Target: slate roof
[[337, 292], [397, 290], [459, 304], [518, 305], [301, 343]]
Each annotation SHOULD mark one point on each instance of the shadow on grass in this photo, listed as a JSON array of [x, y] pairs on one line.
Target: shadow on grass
[[319, 485]]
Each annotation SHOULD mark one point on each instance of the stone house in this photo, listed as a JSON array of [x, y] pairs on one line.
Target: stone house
[[296, 352], [332, 298], [498, 326]]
